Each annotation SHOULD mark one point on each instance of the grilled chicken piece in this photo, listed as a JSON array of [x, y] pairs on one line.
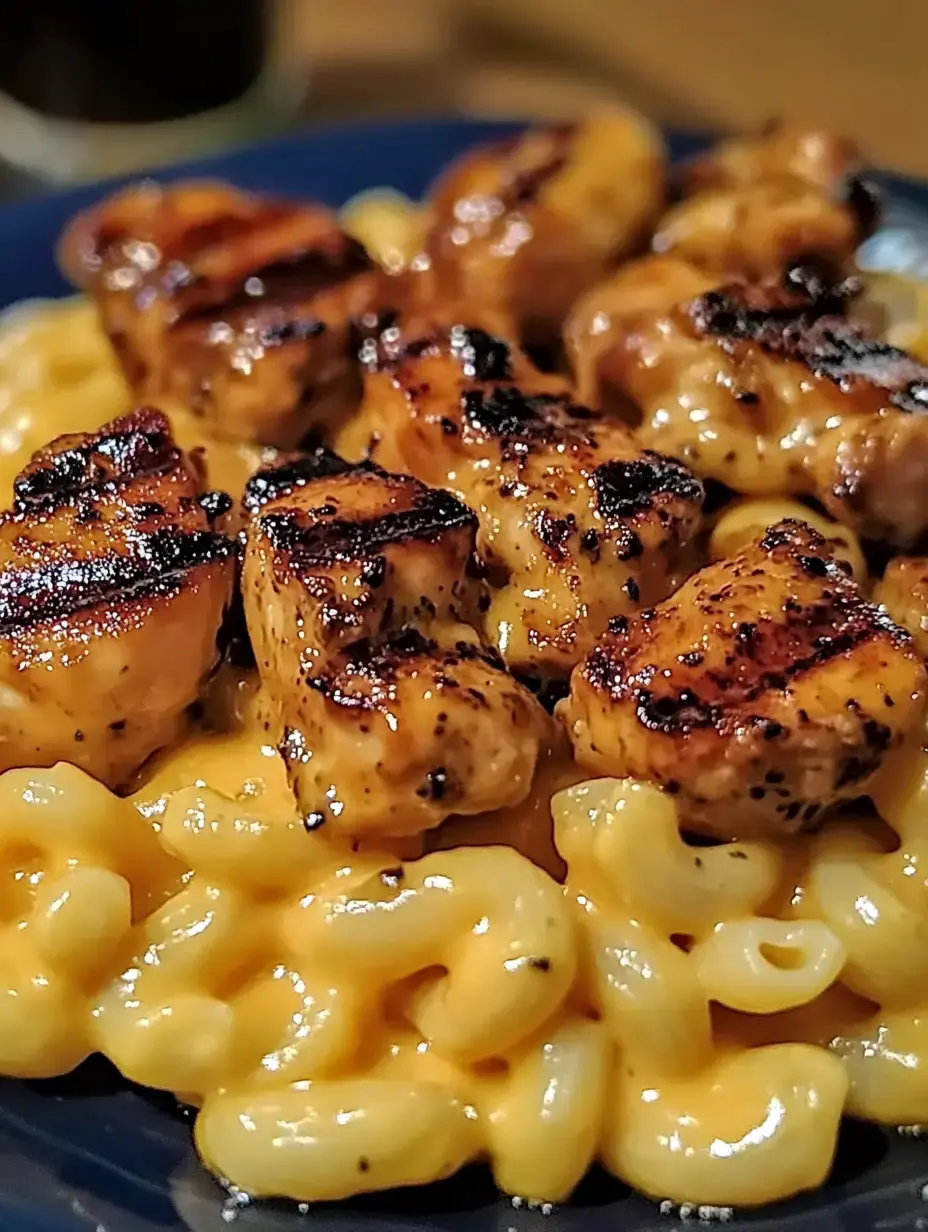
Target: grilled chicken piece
[[769, 388], [526, 224], [356, 594], [238, 306], [113, 585], [871, 472], [903, 591], [782, 149], [763, 691], [759, 231], [755, 206], [615, 319], [574, 517]]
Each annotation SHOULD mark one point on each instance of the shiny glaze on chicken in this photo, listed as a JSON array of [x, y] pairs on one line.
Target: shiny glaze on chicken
[[237, 306], [357, 594], [764, 690], [754, 206], [769, 388], [903, 591], [526, 224], [813, 156], [113, 585], [576, 522]]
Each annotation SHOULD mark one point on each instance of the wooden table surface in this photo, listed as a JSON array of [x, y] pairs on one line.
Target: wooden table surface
[[720, 64]]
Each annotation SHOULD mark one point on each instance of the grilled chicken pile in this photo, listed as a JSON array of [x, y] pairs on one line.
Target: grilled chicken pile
[[454, 526]]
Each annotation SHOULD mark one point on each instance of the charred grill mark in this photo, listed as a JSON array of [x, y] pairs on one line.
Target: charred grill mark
[[841, 354], [764, 656], [508, 412], [378, 341], [298, 329], [53, 589], [381, 661], [681, 710], [774, 316], [505, 411], [523, 187], [789, 532], [483, 356], [626, 488], [136, 446], [276, 481], [554, 532], [628, 545], [293, 278], [671, 715], [805, 325], [378, 659], [222, 229], [215, 505], [311, 543]]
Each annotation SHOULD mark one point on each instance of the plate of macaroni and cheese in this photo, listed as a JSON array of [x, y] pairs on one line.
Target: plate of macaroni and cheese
[[489, 570]]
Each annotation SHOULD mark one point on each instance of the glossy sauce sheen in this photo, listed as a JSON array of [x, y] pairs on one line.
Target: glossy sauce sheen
[[108, 548], [572, 514], [341, 902]]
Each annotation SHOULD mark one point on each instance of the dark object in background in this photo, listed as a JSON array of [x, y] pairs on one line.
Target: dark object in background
[[141, 61], [93, 88]]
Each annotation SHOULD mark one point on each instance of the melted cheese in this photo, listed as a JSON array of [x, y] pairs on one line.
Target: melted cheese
[[354, 1020]]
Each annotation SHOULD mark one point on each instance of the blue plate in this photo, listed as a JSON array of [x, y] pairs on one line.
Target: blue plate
[[89, 1153]]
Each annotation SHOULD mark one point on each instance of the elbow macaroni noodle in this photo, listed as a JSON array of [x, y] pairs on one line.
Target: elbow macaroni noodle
[[348, 1022], [696, 1018]]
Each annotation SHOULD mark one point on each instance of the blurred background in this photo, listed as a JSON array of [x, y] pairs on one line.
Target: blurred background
[[91, 87]]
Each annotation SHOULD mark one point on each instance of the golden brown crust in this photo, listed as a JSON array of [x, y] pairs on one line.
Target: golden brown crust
[[526, 224], [903, 591], [238, 306], [813, 156], [753, 206], [770, 388], [804, 320], [764, 690], [110, 548], [357, 593], [573, 515]]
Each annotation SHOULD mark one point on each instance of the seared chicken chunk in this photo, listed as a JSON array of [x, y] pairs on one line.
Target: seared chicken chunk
[[769, 388], [574, 517], [615, 319], [903, 591], [113, 585], [755, 206], [763, 691], [237, 306], [356, 593], [871, 471], [812, 156], [760, 230], [526, 224]]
